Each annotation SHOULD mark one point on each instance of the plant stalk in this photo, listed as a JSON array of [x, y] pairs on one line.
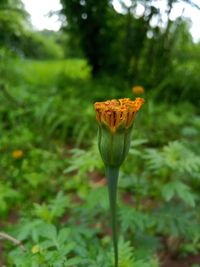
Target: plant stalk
[[112, 174]]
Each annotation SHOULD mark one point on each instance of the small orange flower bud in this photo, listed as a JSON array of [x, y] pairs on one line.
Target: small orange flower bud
[[17, 154], [138, 90]]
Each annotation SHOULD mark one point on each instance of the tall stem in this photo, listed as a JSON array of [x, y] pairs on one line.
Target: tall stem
[[112, 174]]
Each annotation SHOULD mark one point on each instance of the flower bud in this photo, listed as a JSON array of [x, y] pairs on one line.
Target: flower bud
[[138, 90], [115, 119]]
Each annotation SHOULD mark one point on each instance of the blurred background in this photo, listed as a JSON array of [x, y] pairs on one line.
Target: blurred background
[[56, 59]]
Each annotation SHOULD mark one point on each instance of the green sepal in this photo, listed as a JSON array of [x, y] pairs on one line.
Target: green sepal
[[114, 147]]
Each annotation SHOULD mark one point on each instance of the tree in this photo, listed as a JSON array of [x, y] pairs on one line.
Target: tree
[[87, 22], [124, 43], [13, 23]]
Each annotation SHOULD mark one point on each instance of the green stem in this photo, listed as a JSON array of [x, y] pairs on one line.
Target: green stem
[[112, 174]]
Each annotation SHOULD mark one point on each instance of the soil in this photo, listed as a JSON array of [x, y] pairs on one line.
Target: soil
[[188, 261]]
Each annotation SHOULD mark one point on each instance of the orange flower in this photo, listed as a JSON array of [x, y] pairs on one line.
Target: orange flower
[[17, 154], [138, 90], [115, 113]]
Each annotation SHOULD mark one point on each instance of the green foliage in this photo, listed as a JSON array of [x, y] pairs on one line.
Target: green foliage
[[127, 257], [54, 196], [39, 45], [8, 196], [176, 157], [176, 221], [182, 83], [127, 45], [53, 249], [53, 210], [13, 20], [84, 161], [53, 193], [174, 165]]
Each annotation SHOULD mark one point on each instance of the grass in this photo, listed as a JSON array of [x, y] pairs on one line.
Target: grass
[[45, 73]]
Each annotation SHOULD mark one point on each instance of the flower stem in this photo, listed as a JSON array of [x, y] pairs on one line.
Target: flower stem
[[112, 174]]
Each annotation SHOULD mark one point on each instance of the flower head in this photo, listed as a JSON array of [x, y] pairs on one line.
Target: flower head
[[138, 90], [17, 154], [115, 119], [115, 113]]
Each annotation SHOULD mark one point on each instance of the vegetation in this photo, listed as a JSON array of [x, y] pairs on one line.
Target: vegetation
[[54, 208]]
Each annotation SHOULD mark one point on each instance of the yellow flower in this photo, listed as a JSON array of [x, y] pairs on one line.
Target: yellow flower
[[35, 249], [138, 90], [115, 113], [17, 154]]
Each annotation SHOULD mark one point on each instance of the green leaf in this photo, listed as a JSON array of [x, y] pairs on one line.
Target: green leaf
[[180, 189], [49, 231], [184, 192], [73, 261], [168, 191]]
